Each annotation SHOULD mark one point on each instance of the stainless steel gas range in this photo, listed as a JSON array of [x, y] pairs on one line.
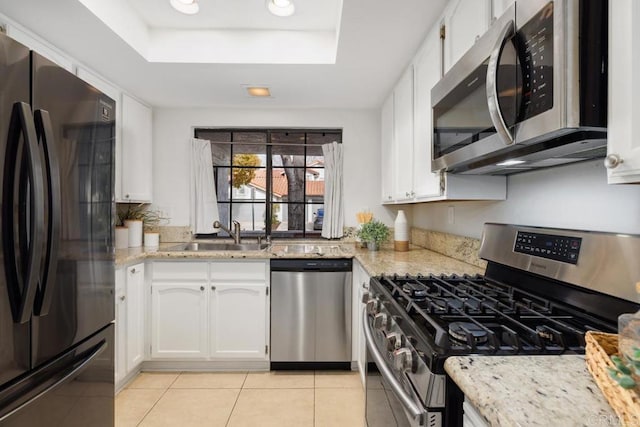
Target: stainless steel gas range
[[542, 290]]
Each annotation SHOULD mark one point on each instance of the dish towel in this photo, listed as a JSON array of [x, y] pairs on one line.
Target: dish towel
[[333, 223], [204, 204]]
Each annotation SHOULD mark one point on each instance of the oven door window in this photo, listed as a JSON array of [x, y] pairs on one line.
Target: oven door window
[[462, 117]]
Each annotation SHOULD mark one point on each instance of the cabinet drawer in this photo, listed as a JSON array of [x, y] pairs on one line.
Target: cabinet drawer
[[180, 271], [238, 270]]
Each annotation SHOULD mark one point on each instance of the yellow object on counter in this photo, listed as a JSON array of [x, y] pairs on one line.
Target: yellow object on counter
[[364, 217]]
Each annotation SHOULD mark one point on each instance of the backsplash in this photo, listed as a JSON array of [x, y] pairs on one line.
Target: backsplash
[[459, 247], [178, 234]]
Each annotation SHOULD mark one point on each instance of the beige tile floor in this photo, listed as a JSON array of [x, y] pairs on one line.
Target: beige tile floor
[[277, 398]]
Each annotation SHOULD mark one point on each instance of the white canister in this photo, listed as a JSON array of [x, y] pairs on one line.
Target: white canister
[[401, 233], [122, 237], [151, 239], [135, 232]]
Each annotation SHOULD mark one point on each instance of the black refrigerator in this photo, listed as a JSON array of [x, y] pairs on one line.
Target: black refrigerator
[[57, 260]]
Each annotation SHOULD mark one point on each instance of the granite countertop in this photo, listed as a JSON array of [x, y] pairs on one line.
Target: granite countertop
[[416, 260], [531, 390]]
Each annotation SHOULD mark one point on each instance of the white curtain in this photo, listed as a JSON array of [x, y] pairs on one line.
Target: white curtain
[[333, 223], [204, 204]]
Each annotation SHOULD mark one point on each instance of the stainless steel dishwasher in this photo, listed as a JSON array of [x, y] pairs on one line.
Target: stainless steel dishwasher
[[310, 313]]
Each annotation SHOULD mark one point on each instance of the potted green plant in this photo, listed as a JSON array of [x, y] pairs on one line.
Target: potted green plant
[[138, 218], [374, 233]]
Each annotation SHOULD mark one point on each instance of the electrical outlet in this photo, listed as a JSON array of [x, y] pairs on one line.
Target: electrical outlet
[[451, 215]]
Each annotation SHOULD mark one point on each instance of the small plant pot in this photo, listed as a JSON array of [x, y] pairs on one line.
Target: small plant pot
[[122, 237], [135, 232], [151, 239], [373, 246]]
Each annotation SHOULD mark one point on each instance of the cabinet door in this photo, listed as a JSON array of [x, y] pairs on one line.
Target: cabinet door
[[136, 151], [121, 327], [179, 326], [135, 316], [386, 160], [465, 22], [403, 137], [624, 93], [360, 286], [498, 7], [238, 316], [427, 71]]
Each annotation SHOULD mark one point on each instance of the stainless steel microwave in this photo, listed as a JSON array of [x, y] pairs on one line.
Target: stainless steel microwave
[[530, 93]]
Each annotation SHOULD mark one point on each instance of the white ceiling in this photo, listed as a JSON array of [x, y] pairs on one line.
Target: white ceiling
[[377, 39], [239, 14]]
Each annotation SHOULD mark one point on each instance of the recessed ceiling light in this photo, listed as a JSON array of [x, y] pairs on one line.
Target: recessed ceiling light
[[510, 163], [259, 91], [281, 7], [189, 7]]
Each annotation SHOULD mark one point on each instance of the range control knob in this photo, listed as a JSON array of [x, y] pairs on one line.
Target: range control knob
[[394, 341], [380, 321], [365, 297], [372, 306], [403, 359]]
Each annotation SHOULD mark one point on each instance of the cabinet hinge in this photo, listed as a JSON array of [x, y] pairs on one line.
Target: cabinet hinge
[[443, 32], [266, 349], [267, 291]]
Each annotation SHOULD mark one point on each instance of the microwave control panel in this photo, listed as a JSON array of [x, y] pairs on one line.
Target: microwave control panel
[[558, 248], [535, 51]]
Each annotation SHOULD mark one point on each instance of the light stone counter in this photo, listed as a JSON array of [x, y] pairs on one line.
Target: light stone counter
[[532, 390], [417, 260]]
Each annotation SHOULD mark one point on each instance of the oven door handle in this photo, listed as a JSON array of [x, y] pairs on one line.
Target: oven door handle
[[495, 112], [409, 404]]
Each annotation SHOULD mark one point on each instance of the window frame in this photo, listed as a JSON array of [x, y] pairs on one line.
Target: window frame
[[201, 132]]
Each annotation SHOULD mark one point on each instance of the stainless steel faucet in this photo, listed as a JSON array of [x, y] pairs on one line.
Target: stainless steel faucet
[[235, 233]]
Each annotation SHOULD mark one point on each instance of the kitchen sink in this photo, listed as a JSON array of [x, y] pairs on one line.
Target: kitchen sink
[[207, 246]]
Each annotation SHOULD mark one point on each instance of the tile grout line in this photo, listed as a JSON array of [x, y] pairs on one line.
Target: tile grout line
[[246, 375], [160, 398]]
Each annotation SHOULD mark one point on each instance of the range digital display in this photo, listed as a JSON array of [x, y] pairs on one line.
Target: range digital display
[[557, 248]]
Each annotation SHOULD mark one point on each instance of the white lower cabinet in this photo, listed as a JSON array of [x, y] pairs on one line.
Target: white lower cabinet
[[121, 327], [179, 320], [129, 313], [218, 311], [238, 313], [471, 417], [359, 347]]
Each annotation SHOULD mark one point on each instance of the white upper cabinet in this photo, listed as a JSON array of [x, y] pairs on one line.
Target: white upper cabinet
[[465, 21], [402, 156], [623, 159], [427, 72], [386, 136], [498, 7], [407, 132], [137, 176]]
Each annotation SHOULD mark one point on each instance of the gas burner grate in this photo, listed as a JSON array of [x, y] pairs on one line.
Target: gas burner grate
[[468, 314]]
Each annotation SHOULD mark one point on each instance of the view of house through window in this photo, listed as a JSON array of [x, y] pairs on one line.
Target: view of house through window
[[271, 181]]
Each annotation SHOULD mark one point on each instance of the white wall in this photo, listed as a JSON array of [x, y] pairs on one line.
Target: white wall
[[361, 138], [574, 196]]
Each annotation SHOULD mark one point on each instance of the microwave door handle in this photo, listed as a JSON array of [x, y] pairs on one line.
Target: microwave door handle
[[492, 84]]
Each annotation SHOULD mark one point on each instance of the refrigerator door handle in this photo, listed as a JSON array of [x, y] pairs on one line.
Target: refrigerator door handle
[[44, 293], [22, 287], [73, 369]]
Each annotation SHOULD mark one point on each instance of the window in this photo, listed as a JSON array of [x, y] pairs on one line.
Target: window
[[270, 180]]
